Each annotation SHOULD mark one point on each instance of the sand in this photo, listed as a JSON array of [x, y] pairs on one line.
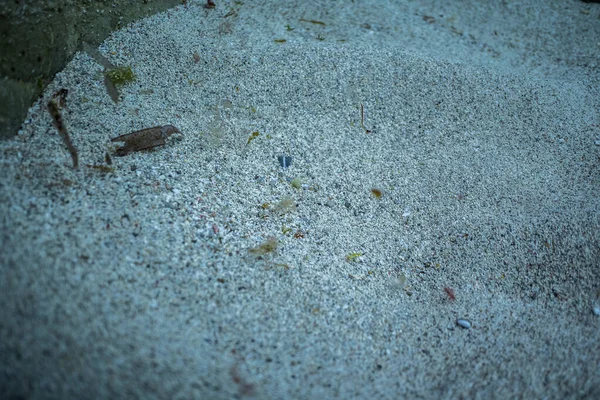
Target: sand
[[474, 167]]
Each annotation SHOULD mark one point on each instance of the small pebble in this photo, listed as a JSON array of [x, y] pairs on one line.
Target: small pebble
[[463, 323], [597, 310]]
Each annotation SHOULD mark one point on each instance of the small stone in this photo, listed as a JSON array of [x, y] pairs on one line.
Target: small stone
[[597, 310], [463, 323]]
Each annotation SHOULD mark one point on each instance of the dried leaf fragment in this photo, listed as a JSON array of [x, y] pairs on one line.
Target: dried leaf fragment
[[353, 256], [253, 136], [376, 193], [93, 52], [270, 246], [450, 292], [144, 139], [111, 89], [58, 101], [312, 21]]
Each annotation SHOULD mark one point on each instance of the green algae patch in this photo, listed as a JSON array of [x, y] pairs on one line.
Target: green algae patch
[[120, 75]]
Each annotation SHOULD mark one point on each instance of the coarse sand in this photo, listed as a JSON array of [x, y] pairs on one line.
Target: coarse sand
[[445, 166]]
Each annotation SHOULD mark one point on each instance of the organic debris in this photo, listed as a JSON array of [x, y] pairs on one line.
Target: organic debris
[[429, 19], [362, 119], [362, 278], [144, 139], [113, 76], [97, 56], [285, 206], [120, 75], [296, 183], [111, 89], [58, 101], [253, 136], [60, 97], [312, 21], [270, 246], [353, 256], [299, 234], [117, 76], [450, 292], [102, 168]]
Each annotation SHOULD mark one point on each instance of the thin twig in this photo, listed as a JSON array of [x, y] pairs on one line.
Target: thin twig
[[53, 109], [362, 119]]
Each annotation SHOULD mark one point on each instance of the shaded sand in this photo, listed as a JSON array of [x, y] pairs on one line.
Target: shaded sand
[[135, 280]]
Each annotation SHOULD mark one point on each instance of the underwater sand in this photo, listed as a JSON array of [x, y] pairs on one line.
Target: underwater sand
[[474, 167]]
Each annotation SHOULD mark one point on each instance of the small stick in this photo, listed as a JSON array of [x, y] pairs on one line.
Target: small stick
[[53, 109], [362, 119], [362, 116]]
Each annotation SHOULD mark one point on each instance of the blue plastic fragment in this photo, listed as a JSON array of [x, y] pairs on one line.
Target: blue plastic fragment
[[285, 161]]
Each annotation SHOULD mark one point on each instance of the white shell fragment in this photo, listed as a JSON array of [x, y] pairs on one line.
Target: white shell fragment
[[463, 323]]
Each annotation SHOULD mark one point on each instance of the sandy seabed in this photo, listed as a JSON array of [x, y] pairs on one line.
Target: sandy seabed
[[468, 188]]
